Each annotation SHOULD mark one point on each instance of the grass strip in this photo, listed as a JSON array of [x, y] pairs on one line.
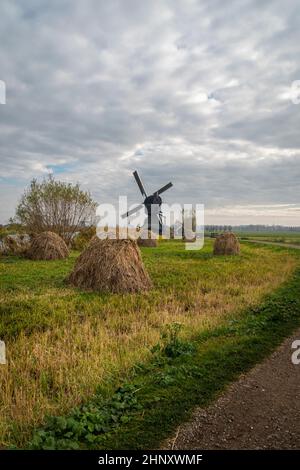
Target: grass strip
[[181, 375]]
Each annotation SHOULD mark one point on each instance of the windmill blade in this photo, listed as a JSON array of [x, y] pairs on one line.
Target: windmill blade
[[132, 211], [139, 183], [164, 188]]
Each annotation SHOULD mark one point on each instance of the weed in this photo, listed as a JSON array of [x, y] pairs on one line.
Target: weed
[[171, 345]]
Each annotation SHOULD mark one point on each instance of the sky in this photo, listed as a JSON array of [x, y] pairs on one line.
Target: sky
[[198, 92]]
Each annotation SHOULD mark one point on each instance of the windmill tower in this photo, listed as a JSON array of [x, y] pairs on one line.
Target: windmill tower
[[152, 205]]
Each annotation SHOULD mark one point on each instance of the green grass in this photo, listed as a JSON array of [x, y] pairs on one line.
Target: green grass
[[292, 238], [34, 295], [180, 376], [63, 343]]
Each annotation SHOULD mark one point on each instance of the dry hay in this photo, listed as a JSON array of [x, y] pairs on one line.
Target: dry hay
[[110, 266], [147, 238], [226, 244], [47, 246], [17, 244]]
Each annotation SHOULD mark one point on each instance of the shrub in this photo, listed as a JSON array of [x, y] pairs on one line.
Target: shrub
[[83, 238]]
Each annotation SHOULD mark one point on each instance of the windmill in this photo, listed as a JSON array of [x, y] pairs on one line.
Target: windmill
[[151, 203]]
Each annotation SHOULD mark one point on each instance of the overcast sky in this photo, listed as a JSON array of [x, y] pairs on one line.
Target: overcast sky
[[193, 91]]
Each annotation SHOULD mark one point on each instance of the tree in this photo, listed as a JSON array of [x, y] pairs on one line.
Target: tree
[[59, 207]]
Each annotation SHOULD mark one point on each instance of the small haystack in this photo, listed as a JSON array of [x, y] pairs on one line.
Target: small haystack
[[17, 244], [226, 244], [147, 238], [111, 266], [47, 246], [189, 236]]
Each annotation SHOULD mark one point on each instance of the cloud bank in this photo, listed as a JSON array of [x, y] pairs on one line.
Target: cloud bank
[[192, 91]]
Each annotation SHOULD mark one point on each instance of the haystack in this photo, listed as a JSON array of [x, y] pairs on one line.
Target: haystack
[[189, 236], [17, 244], [47, 246], [226, 244], [110, 266], [147, 238]]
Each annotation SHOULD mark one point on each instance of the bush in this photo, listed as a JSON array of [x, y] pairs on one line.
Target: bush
[[55, 206], [83, 238]]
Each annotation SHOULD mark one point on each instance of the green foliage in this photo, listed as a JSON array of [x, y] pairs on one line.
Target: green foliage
[[82, 239], [55, 206], [11, 229], [171, 344], [88, 424]]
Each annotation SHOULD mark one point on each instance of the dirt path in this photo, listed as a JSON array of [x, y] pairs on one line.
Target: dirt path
[[259, 411]]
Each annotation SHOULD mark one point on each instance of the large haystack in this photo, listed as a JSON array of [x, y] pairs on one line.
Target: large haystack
[[226, 244], [110, 266], [47, 246], [147, 238]]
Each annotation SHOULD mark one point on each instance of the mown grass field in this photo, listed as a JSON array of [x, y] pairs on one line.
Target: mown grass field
[[292, 238], [63, 345]]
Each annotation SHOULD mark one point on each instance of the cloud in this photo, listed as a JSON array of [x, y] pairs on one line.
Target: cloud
[[182, 90]]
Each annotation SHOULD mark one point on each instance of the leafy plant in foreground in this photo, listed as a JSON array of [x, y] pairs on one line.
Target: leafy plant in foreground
[[171, 344], [88, 424]]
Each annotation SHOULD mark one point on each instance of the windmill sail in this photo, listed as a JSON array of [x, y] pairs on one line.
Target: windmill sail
[[139, 183]]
